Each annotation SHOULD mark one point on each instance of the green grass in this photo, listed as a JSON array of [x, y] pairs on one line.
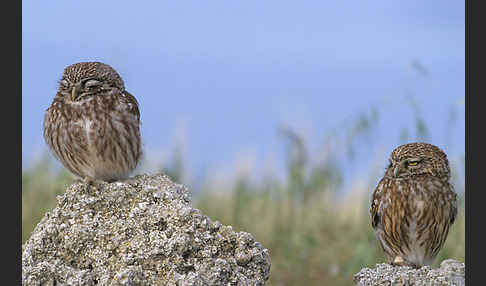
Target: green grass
[[40, 186]]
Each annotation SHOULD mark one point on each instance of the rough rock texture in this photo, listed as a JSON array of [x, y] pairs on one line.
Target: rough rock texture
[[139, 232], [450, 272]]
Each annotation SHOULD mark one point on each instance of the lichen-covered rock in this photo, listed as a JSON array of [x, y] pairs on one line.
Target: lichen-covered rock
[[139, 232], [450, 272]]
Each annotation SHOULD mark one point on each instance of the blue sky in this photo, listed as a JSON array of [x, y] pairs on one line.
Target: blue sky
[[223, 75]]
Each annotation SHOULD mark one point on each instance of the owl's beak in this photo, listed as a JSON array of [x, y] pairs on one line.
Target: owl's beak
[[75, 92], [398, 169]]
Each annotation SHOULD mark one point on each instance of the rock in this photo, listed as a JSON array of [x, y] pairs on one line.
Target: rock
[[138, 232], [450, 272]]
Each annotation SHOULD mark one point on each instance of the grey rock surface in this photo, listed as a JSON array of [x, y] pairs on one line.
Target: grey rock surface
[[142, 231], [450, 272]]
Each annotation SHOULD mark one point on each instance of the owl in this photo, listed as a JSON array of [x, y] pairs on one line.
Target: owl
[[93, 124], [414, 205]]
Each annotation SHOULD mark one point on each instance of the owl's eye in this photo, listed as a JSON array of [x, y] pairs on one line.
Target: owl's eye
[[92, 83], [413, 162], [64, 83]]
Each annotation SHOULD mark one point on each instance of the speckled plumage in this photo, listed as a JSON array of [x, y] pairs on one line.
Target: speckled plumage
[[414, 205], [93, 124]]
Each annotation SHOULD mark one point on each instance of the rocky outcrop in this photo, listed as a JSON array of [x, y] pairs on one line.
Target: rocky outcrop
[[139, 232], [450, 272]]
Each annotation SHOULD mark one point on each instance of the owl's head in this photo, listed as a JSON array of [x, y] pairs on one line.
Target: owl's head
[[81, 80], [416, 159]]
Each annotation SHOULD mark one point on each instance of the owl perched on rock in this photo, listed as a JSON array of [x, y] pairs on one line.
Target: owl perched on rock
[[414, 205], [93, 123]]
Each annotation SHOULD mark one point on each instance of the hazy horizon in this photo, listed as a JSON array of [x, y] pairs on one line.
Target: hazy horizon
[[221, 78]]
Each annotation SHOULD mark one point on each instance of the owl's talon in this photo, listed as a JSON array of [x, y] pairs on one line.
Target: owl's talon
[[92, 183], [130, 181], [398, 261]]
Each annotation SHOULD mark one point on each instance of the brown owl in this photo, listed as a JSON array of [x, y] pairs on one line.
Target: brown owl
[[93, 123], [414, 205]]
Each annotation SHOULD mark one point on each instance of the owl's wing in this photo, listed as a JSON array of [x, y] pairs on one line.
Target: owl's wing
[[134, 103], [440, 192], [454, 205], [375, 203]]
